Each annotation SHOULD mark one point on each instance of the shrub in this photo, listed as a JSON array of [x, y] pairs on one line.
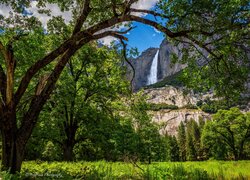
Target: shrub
[[157, 107]]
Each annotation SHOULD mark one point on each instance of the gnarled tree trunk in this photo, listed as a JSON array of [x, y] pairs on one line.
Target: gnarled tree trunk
[[13, 145]]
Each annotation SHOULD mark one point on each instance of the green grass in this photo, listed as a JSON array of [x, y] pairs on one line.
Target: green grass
[[118, 170]]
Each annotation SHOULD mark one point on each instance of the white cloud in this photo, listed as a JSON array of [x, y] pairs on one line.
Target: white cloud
[[33, 11], [5, 10], [144, 4], [108, 40], [55, 11], [157, 31]]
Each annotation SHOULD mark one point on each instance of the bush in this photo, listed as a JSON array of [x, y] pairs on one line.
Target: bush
[[157, 107], [190, 106], [212, 107]]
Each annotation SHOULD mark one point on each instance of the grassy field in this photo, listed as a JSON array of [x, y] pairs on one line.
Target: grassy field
[[118, 170]]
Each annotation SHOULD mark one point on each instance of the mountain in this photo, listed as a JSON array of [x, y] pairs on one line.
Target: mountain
[[176, 105], [172, 104], [143, 63]]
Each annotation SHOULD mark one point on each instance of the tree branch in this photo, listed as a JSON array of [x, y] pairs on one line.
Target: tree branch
[[129, 63], [43, 62], [82, 18], [150, 12], [80, 35], [37, 102]]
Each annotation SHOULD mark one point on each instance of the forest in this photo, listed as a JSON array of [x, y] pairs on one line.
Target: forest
[[68, 107]]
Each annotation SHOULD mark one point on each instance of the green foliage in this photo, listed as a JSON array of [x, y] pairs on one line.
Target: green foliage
[[150, 144], [219, 60], [172, 147], [107, 170], [181, 137], [189, 140], [190, 106], [212, 106], [229, 130], [82, 106], [172, 80], [157, 107]]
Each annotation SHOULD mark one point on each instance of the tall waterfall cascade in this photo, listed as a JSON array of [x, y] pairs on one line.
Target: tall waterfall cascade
[[152, 78]]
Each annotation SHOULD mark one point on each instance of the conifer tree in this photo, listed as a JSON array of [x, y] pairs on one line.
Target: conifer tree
[[181, 137]]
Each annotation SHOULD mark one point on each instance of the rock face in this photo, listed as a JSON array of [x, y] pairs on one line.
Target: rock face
[[169, 95], [170, 119], [142, 66], [143, 63], [174, 96], [166, 68]]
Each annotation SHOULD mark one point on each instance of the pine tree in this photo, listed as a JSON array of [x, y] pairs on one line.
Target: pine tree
[[190, 142], [172, 148], [181, 137]]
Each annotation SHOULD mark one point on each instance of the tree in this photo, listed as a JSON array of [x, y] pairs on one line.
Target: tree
[[192, 140], [190, 148], [181, 137], [219, 59], [230, 128], [31, 62], [150, 144], [172, 148], [92, 80]]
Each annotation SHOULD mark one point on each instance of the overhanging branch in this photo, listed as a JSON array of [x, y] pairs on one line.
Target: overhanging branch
[[129, 63], [43, 62], [150, 12], [82, 18]]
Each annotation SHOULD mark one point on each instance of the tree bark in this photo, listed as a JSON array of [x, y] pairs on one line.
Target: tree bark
[[12, 144], [68, 154]]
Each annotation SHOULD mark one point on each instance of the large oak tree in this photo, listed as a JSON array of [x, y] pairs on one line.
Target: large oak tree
[[31, 61]]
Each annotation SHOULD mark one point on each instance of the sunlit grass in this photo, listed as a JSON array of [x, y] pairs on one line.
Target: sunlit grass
[[120, 170]]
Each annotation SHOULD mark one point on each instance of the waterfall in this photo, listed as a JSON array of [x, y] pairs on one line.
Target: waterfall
[[152, 78]]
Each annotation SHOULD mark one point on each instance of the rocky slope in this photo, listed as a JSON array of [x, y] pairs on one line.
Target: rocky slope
[[170, 119], [166, 68], [174, 96]]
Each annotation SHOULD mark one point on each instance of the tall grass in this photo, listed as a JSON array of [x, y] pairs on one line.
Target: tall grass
[[108, 171]]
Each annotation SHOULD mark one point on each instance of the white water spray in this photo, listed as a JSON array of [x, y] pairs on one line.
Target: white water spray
[[152, 78]]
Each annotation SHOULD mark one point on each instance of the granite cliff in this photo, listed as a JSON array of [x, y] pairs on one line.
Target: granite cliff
[[171, 118], [142, 64], [169, 95]]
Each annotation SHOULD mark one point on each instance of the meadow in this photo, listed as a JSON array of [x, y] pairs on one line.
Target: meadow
[[119, 170]]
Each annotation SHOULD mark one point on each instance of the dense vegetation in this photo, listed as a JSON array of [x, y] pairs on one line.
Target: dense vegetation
[[110, 170], [138, 139], [64, 97]]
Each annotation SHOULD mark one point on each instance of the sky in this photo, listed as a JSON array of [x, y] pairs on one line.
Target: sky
[[142, 37]]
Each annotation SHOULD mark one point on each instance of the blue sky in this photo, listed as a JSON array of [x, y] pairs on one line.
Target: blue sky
[[143, 37]]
